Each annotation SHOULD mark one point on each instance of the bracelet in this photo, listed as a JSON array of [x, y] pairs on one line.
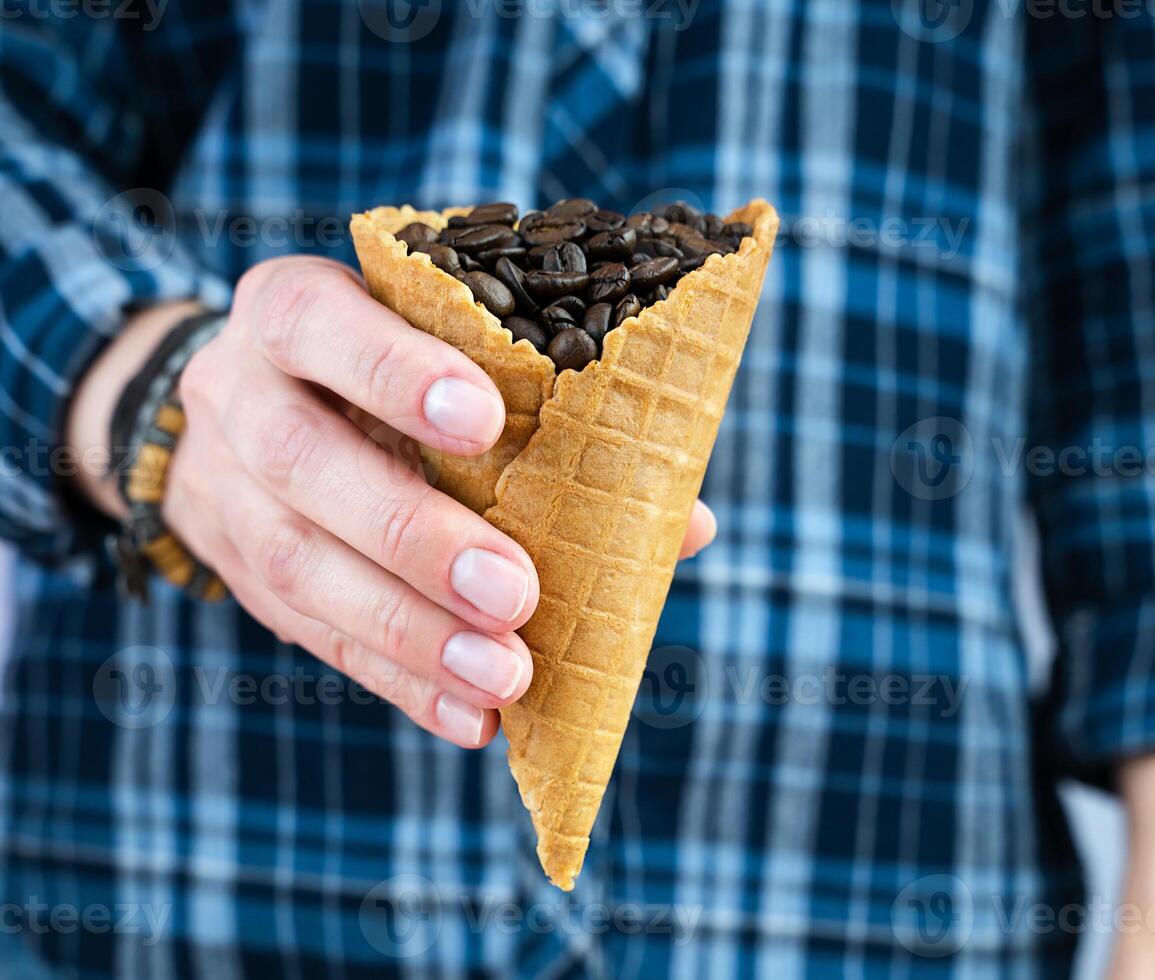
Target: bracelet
[[146, 424]]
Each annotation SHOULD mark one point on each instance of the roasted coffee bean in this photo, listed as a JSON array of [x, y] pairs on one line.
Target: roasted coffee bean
[[480, 238], [444, 258], [736, 229], [572, 349], [571, 258], [525, 329], [498, 213], [612, 244], [491, 255], [712, 226], [535, 257], [469, 263], [648, 274], [457, 221], [416, 232], [598, 321], [490, 292], [658, 247], [628, 306], [660, 293], [557, 318], [549, 285], [575, 207], [639, 257], [604, 221], [692, 262], [575, 305], [609, 283], [674, 212], [549, 229], [513, 279]]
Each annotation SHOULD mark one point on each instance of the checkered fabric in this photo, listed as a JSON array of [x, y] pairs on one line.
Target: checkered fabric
[[836, 766]]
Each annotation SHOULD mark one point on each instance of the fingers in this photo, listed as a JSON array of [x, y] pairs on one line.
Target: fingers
[[314, 320], [702, 530], [441, 712], [319, 464], [323, 579]]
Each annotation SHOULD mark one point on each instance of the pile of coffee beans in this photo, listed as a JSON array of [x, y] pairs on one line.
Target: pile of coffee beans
[[564, 277]]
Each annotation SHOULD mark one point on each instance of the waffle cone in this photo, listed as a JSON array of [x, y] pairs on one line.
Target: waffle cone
[[595, 476]]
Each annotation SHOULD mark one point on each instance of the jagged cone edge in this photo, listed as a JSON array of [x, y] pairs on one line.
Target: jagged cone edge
[[595, 476]]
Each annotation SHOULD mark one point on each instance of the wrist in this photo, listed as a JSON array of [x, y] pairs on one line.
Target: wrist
[[90, 413]]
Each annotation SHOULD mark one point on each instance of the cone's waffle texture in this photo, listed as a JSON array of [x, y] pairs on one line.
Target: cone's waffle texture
[[596, 481]]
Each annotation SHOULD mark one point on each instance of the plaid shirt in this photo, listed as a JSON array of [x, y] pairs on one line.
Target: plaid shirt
[[836, 767]]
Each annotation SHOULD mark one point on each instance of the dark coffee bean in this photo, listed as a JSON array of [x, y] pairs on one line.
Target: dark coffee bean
[[628, 306], [658, 247], [535, 257], [660, 293], [646, 275], [598, 321], [513, 279], [489, 292], [659, 226], [641, 222], [674, 212], [713, 226], [469, 263], [575, 207], [549, 285], [575, 305], [479, 238], [457, 221], [572, 349], [444, 258], [416, 232], [557, 318], [571, 258], [604, 221], [736, 229], [612, 244], [491, 255], [524, 329], [639, 257], [609, 283], [691, 262], [498, 213], [549, 229]]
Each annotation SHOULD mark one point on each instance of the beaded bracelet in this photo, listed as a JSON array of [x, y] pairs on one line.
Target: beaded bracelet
[[146, 425]]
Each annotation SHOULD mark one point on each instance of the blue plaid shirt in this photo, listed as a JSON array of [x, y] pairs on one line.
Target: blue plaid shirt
[[837, 765]]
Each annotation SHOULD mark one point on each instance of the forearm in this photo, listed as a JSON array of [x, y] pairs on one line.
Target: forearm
[[87, 424]]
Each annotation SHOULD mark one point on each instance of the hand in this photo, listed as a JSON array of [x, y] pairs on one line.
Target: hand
[[1135, 944], [323, 537]]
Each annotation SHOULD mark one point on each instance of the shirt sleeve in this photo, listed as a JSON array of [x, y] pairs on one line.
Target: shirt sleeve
[[1090, 268], [81, 243]]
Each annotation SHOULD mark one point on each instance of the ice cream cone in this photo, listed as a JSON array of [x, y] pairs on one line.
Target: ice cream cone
[[595, 476]]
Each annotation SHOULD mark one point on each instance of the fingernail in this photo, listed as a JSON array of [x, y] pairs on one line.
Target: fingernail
[[483, 662], [461, 410], [493, 584], [461, 721]]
